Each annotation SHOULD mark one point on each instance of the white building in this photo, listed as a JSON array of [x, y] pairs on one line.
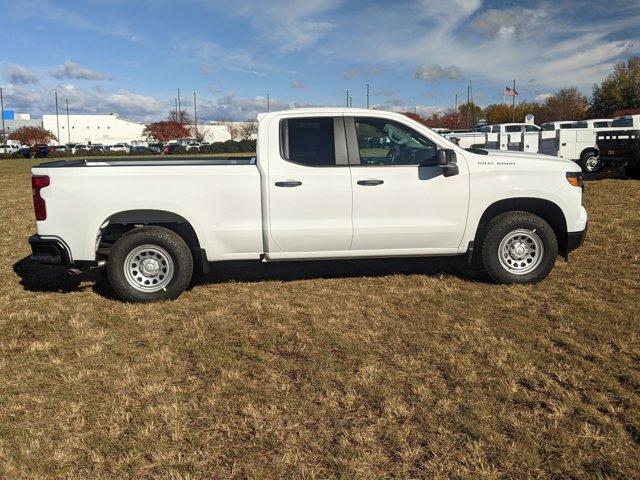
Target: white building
[[213, 133], [110, 129], [105, 129]]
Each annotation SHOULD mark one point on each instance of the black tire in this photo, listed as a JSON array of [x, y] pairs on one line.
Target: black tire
[[505, 224], [586, 160], [171, 243]]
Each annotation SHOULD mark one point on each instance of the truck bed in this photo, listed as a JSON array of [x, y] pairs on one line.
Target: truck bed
[[218, 197]]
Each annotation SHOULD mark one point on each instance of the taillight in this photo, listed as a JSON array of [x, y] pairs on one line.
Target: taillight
[[38, 182]]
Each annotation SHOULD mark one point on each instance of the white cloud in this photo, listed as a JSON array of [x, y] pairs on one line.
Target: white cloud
[[232, 107], [36, 10], [495, 46], [290, 26], [352, 73], [432, 71], [72, 70], [541, 97], [507, 23], [40, 100], [212, 53], [297, 85], [19, 75]]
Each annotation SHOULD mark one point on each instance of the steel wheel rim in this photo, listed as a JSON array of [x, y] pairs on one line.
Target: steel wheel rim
[[521, 251], [592, 164], [148, 268]]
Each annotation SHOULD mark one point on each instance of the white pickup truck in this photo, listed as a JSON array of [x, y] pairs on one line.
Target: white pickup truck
[[326, 183]]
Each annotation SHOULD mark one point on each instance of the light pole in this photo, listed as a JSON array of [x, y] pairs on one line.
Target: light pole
[[66, 101], [57, 117], [268, 103], [195, 114], [367, 95], [347, 97], [4, 140]]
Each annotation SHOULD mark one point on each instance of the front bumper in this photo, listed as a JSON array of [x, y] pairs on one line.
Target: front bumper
[[49, 251], [574, 241]]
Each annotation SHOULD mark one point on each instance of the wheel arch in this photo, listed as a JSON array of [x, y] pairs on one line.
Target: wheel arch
[[545, 209], [123, 222]]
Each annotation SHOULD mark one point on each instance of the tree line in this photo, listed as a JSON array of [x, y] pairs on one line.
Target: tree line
[[618, 94]]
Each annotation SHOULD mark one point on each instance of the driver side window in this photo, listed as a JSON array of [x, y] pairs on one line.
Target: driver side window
[[383, 142]]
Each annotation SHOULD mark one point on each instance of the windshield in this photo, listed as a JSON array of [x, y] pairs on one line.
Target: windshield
[[547, 126], [622, 122]]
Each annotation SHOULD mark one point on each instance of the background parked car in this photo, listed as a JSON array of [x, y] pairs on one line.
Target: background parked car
[[173, 148], [193, 147], [9, 148], [120, 147], [79, 146], [156, 147], [141, 150]]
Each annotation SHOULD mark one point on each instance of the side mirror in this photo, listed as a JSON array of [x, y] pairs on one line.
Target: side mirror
[[444, 157], [448, 161]]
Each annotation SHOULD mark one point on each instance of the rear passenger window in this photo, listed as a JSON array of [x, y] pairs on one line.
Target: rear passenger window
[[513, 128], [308, 141]]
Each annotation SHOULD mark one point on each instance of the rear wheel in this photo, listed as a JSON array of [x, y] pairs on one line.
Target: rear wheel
[[519, 247], [148, 264], [590, 162]]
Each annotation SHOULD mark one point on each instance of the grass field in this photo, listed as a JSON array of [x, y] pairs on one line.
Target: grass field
[[361, 369]]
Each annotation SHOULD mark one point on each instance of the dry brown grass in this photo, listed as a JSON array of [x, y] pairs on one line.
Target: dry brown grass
[[368, 369]]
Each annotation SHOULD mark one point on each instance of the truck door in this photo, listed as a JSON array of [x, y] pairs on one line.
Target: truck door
[[398, 204], [309, 185]]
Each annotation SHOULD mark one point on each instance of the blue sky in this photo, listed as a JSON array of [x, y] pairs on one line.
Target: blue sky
[[130, 56]]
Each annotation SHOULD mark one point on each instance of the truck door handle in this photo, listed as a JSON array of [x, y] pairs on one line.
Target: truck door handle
[[370, 183], [289, 184]]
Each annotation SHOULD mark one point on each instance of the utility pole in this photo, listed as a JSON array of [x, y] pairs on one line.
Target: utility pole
[[4, 140], [473, 106], [66, 101], [195, 114], [57, 116], [466, 116], [268, 103], [179, 108], [513, 103], [367, 95], [456, 110], [347, 97]]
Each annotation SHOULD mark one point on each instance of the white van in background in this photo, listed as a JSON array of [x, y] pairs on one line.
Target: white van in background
[[576, 142], [521, 137]]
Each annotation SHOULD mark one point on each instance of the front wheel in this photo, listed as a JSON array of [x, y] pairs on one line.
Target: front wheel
[[149, 264], [519, 247]]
